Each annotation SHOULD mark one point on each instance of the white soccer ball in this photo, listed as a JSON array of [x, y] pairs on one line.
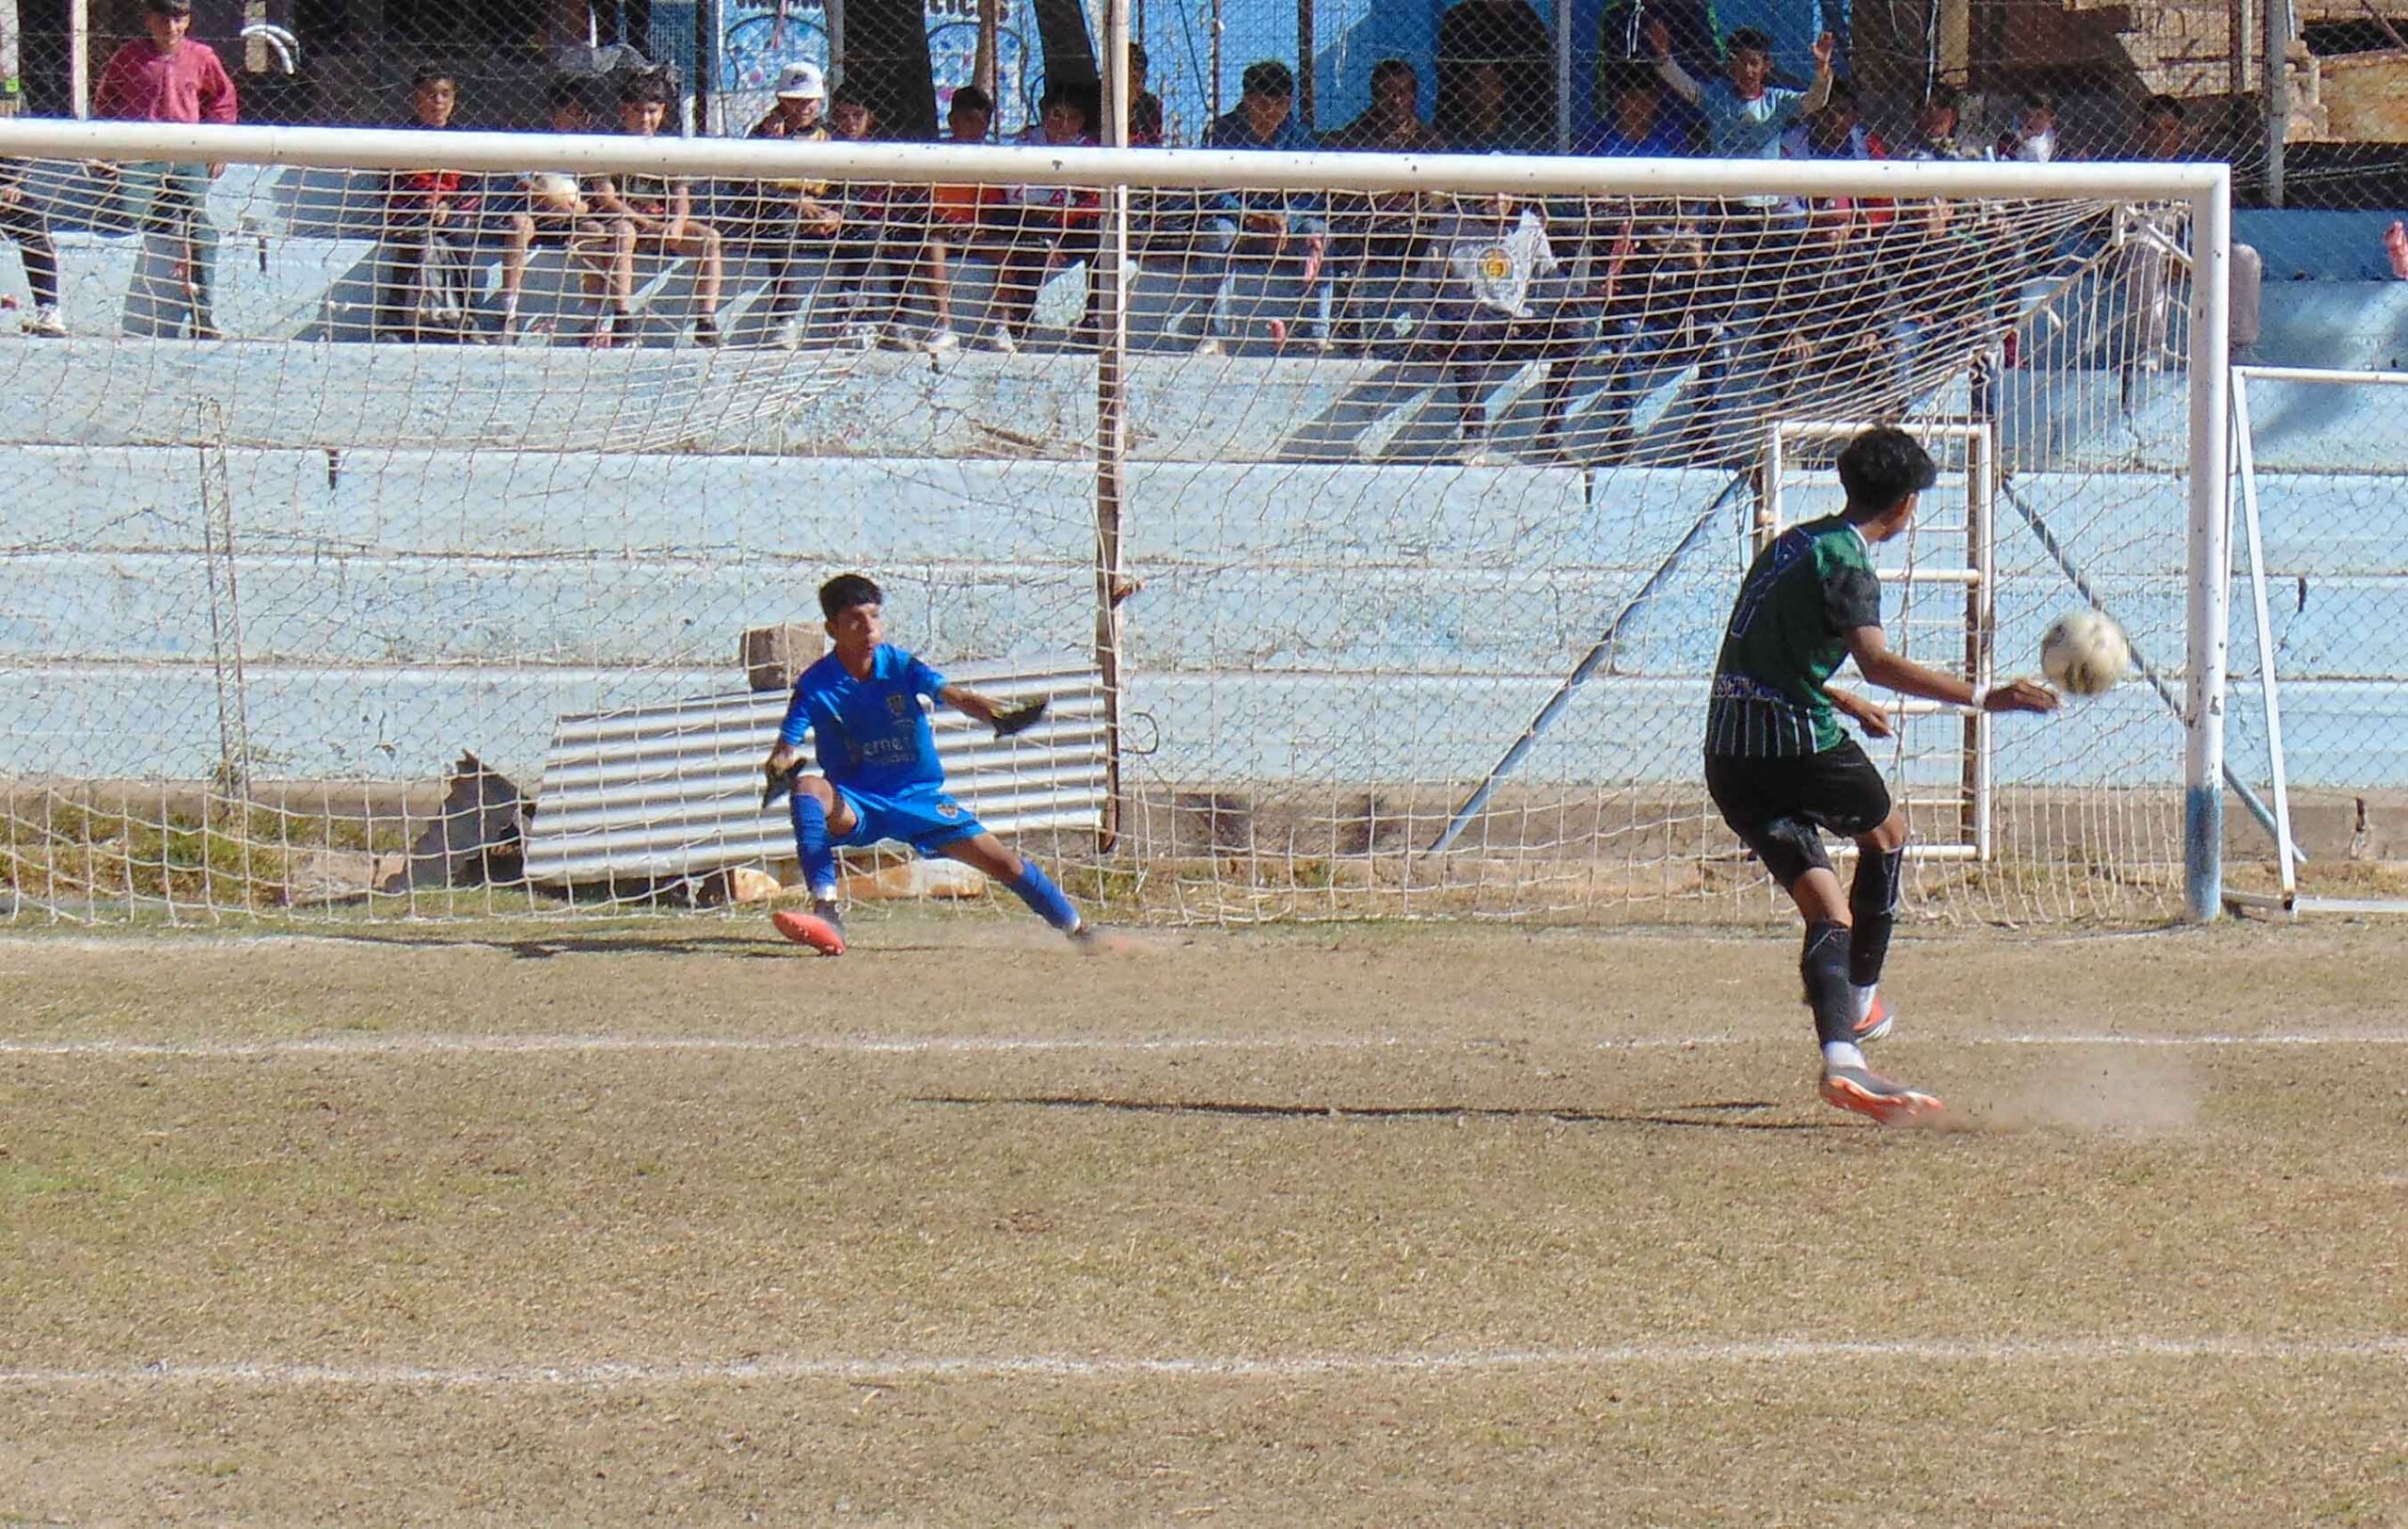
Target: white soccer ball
[[2086, 653]]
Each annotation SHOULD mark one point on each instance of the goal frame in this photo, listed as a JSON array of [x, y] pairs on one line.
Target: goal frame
[[2205, 187]]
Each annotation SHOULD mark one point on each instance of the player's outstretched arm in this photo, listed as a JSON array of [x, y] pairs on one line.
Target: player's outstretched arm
[[1005, 717], [1893, 671]]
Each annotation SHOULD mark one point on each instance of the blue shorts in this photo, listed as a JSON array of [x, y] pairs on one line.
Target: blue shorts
[[923, 817]]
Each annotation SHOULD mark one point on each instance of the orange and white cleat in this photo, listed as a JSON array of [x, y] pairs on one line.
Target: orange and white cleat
[[1869, 1093], [821, 928], [1874, 1023]]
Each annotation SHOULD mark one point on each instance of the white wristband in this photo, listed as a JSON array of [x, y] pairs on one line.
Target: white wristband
[[1981, 694]]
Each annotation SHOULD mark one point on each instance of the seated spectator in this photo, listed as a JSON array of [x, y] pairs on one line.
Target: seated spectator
[[557, 216], [1498, 297], [2034, 138], [430, 218], [1385, 229], [1513, 109], [2162, 134], [1392, 122], [871, 231], [1051, 225], [1935, 129], [1836, 131], [660, 210], [168, 77], [1484, 121], [1263, 225], [23, 222], [1639, 127], [1850, 355], [1145, 107], [960, 219]]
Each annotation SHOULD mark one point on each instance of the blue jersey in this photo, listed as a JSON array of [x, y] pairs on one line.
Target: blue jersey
[[869, 734]]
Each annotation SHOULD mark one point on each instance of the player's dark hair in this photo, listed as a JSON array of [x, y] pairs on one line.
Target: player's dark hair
[[428, 75], [1881, 468], [847, 589], [1747, 39], [1268, 77], [970, 98]]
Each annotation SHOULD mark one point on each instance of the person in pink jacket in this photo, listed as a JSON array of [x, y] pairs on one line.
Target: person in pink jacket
[[168, 77]]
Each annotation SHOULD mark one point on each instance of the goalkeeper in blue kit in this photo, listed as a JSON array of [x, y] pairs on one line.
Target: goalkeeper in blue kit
[[879, 773]]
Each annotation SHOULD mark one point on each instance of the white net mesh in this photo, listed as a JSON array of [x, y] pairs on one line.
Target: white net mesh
[[1431, 509]]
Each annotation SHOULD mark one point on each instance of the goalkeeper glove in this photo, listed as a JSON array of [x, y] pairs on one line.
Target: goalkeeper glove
[[1019, 717]]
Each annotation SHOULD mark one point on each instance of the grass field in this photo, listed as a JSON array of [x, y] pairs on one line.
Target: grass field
[[1368, 1224]]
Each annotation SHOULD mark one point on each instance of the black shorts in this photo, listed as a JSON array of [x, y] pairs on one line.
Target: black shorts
[[1776, 807]]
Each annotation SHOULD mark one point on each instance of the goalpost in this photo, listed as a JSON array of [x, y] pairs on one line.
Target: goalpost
[[1379, 543]]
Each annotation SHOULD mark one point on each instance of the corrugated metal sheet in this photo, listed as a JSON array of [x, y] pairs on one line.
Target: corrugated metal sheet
[[675, 791]]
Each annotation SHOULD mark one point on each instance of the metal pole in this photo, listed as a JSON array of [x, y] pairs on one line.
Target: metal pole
[[2278, 95], [2269, 692], [835, 13], [1304, 64], [1111, 583], [2210, 560], [705, 62], [1220, 26], [79, 57], [1562, 19], [12, 88], [982, 66]]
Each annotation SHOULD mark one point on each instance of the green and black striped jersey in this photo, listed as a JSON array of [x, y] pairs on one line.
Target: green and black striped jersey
[[1788, 632]]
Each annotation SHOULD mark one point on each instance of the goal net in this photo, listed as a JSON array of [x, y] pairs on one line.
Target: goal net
[[428, 525]]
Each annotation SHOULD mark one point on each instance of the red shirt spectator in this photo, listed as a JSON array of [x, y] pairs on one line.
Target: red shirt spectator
[[167, 77]]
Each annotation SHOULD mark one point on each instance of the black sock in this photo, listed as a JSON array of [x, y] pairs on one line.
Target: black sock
[[1824, 965], [1873, 903]]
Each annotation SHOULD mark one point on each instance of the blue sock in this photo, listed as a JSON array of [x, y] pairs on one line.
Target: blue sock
[[1043, 898], [810, 845]]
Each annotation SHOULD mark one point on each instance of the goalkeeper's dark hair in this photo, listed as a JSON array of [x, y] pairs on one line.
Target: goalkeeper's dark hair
[[847, 589], [1881, 468]]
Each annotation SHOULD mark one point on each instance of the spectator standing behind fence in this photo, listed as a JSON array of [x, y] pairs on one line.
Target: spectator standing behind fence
[[1937, 126], [1267, 224], [2163, 136], [168, 77], [2033, 139], [776, 218], [21, 220], [660, 209], [1500, 296], [1508, 35], [1638, 127], [1145, 107]]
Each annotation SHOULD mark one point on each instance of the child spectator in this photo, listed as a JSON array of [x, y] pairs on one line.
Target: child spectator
[[1500, 298], [557, 216], [2162, 135], [1392, 122], [2034, 138], [660, 209], [1054, 225], [1937, 125], [861, 209], [960, 219], [1263, 224], [1639, 127], [1385, 229], [22, 221], [1495, 77], [427, 214], [167, 78]]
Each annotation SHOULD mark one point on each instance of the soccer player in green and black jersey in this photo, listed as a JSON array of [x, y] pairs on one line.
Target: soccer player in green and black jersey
[[1782, 770]]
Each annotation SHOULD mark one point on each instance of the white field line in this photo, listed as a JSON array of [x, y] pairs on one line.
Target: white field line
[[271, 1375], [441, 1044]]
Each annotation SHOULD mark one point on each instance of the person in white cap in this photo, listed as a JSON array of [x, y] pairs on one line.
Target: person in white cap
[[778, 216], [801, 107]]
